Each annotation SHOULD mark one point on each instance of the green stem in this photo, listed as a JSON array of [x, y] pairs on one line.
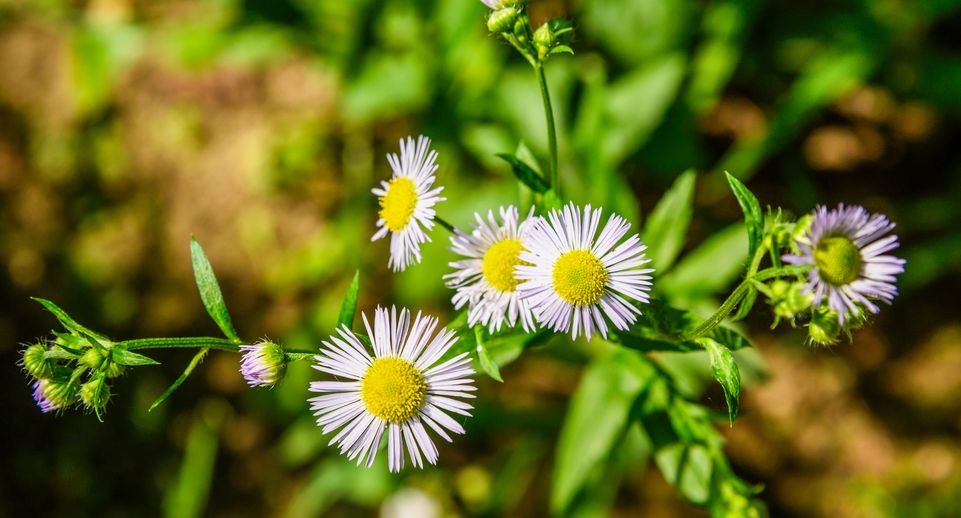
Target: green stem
[[296, 356], [740, 292], [551, 130], [222, 344], [440, 221]]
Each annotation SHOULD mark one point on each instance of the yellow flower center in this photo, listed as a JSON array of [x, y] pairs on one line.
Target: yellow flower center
[[499, 262], [393, 389], [397, 206], [838, 260], [579, 277]]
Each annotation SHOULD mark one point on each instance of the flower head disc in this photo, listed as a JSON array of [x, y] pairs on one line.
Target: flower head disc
[[393, 389], [397, 206], [838, 260], [499, 262], [579, 277]]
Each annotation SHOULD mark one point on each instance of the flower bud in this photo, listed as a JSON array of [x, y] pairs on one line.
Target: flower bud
[[502, 20], [93, 358], [95, 393], [54, 394], [790, 299], [824, 328], [36, 364], [800, 230], [263, 364], [550, 35]]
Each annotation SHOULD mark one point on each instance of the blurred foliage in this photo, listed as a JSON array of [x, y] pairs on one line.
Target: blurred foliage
[[127, 126]]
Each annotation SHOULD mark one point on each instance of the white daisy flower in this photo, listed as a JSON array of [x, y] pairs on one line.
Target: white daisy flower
[[407, 201], [485, 280], [395, 391], [573, 280]]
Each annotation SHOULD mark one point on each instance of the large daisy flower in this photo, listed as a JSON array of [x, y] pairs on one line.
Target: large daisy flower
[[485, 279], [394, 391], [572, 280], [848, 248], [407, 201]]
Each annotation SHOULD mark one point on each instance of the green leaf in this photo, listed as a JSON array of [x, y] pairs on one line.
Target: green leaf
[[131, 359], [348, 308], [525, 173], [725, 372], [180, 380], [666, 227], [688, 468], [552, 201], [561, 49], [68, 323], [662, 328], [210, 293], [486, 362], [753, 216], [598, 415]]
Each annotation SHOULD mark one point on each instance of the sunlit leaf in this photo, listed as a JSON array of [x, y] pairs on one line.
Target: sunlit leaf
[[666, 228], [209, 290], [726, 373], [753, 216], [348, 307]]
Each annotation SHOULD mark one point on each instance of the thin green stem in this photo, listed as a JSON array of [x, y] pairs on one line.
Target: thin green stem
[[551, 130], [222, 344], [740, 292], [296, 356], [440, 221]]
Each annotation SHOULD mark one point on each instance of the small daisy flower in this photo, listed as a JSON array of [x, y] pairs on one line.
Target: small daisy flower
[[395, 391], [848, 248], [407, 201], [485, 280], [263, 364], [572, 280]]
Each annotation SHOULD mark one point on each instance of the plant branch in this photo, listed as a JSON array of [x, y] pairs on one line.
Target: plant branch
[[222, 344]]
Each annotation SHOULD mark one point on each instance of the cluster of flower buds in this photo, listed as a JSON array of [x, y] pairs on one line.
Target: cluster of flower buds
[[509, 20], [71, 370]]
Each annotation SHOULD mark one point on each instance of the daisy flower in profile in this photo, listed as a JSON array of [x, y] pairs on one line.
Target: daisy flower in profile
[[407, 201], [485, 278], [848, 248], [574, 278], [395, 391]]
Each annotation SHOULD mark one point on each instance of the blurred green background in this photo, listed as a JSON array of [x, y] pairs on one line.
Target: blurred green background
[[259, 126]]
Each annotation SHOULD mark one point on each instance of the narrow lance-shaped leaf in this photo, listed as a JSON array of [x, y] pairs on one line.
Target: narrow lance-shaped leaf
[[753, 217], [348, 308], [725, 372], [180, 380], [525, 173], [209, 290], [69, 323], [666, 227], [483, 357], [131, 359]]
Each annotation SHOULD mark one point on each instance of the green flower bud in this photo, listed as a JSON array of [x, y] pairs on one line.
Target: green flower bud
[[113, 369], [520, 29], [800, 229], [95, 393], [824, 328], [543, 40], [36, 364], [502, 20], [93, 358]]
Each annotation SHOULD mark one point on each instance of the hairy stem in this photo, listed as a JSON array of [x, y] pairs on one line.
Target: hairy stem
[[222, 344]]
